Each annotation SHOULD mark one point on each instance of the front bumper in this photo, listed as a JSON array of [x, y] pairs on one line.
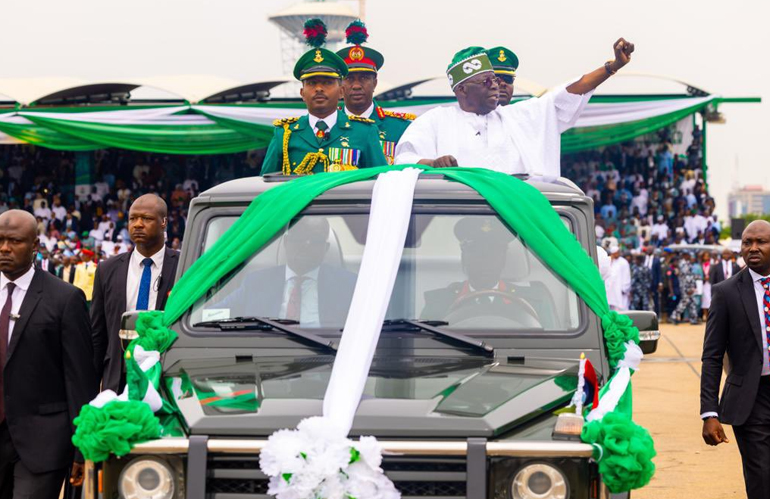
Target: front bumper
[[461, 468]]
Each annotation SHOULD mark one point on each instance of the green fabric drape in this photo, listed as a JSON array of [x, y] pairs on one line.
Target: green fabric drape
[[520, 205], [582, 139], [165, 139], [231, 135], [260, 133], [43, 136]]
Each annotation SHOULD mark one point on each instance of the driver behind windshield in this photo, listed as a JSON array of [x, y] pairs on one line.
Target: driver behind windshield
[[483, 245], [305, 289]]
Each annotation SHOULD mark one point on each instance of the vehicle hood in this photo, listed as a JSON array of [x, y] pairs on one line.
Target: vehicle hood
[[406, 397]]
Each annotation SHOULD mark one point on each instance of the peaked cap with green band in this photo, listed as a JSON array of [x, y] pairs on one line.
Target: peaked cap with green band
[[466, 63], [357, 57], [503, 60], [318, 61]]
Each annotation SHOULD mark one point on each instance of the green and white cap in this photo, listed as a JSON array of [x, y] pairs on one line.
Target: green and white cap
[[466, 63]]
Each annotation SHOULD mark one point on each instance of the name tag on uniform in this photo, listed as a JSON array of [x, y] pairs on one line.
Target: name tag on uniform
[[343, 158], [389, 150]]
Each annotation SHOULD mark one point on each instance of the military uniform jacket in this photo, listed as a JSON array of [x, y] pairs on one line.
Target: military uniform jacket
[[391, 126], [350, 144]]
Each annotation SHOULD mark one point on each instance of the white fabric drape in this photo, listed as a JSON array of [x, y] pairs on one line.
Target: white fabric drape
[[388, 224]]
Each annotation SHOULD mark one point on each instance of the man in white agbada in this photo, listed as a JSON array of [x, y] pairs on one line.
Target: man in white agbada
[[476, 132], [619, 281]]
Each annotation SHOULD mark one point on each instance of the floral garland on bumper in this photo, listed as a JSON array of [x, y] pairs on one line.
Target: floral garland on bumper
[[316, 461], [112, 423]]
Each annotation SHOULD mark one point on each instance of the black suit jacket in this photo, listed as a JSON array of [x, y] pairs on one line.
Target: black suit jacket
[[717, 273], [733, 327], [51, 267], [657, 274], [261, 294], [60, 273], [107, 307], [49, 374]]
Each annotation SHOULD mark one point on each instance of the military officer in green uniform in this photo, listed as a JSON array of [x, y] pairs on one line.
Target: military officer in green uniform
[[505, 63], [359, 85], [326, 139]]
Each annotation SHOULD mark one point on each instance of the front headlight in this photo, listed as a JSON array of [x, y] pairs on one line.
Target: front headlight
[[146, 478], [539, 481]]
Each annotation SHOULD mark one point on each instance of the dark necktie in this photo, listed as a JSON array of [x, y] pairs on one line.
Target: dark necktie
[[5, 325], [321, 133], [143, 301], [294, 307]]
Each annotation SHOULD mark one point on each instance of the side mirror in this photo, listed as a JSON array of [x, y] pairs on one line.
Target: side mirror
[[128, 328], [649, 332]]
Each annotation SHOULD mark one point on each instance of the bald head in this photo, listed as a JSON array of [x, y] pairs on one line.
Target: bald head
[[18, 243], [755, 246], [151, 202], [24, 220]]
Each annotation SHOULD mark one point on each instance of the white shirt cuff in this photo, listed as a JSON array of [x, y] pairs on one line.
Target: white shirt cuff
[[709, 415]]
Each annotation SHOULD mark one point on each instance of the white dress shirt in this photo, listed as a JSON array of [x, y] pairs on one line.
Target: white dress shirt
[[365, 114], [759, 292], [727, 269], [308, 314], [22, 285], [330, 121], [134, 278]]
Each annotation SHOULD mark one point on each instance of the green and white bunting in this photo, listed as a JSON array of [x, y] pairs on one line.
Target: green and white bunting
[[221, 129]]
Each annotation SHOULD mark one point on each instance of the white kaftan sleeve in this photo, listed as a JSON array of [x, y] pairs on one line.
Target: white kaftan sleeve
[[419, 141], [536, 125]]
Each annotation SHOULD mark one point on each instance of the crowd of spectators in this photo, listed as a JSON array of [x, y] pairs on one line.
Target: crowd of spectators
[[650, 202], [93, 216], [644, 194]]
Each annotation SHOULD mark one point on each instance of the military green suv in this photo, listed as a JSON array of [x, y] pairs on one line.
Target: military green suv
[[478, 352]]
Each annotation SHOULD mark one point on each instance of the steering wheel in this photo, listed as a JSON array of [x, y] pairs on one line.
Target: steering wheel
[[518, 310]]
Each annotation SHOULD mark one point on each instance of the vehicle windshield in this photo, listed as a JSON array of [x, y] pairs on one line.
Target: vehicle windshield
[[468, 271]]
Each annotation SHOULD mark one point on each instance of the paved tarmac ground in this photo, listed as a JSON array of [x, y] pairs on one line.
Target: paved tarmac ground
[[666, 402]]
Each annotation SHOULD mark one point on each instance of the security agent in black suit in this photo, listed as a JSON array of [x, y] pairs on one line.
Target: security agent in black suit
[[724, 269], [656, 285], [738, 325], [46, 370], [305, 289], [146, 226]]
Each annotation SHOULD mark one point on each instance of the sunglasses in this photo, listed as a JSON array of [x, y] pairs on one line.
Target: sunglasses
[[488, 82], [506, 78]]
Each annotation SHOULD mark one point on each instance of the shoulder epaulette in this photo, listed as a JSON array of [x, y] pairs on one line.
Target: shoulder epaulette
[[402, 116], [285, 121], [360, 118]]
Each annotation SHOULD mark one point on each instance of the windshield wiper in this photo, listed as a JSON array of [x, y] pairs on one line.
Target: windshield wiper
[[282, 325], [433, 328]]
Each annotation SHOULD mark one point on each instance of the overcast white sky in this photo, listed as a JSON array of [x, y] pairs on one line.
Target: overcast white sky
[[719, 46]]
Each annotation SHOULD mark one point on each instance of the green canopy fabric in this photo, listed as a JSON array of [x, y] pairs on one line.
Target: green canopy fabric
[[222, 129], [167, 139]]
